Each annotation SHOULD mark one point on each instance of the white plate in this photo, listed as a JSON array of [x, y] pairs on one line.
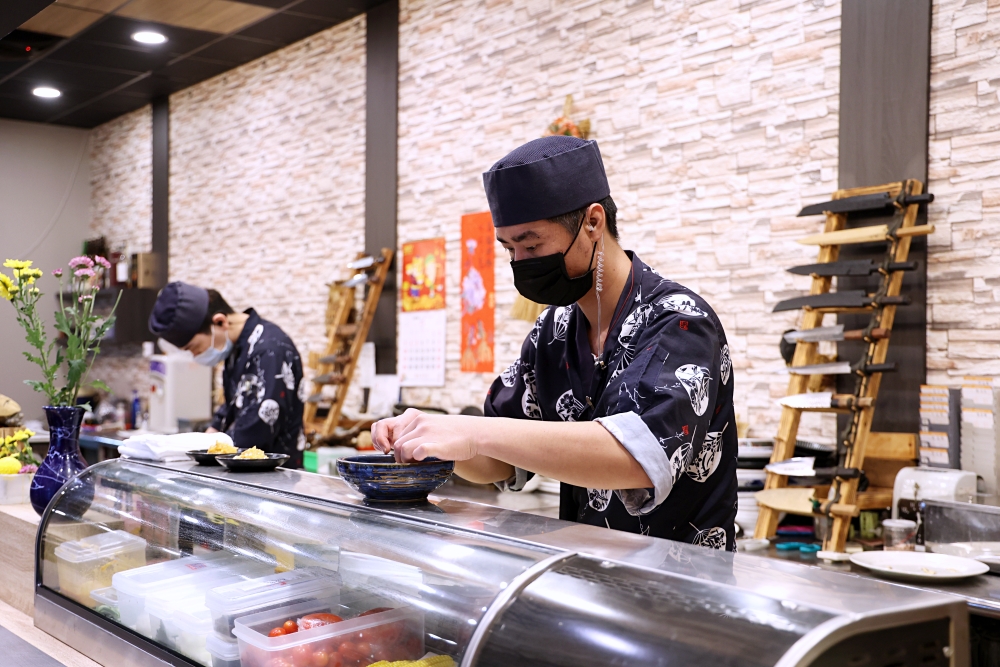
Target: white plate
[[754, 452], [916, 566], [984, 552]]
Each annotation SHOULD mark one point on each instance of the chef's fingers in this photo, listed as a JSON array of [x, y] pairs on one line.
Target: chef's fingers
[[381, 433], [415, 450], [407, 421]]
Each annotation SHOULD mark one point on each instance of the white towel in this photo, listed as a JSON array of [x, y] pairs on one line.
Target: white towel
[[169, 447]]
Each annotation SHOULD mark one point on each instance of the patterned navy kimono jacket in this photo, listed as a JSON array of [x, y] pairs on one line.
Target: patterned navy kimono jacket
[[261, 380], [665, 392]]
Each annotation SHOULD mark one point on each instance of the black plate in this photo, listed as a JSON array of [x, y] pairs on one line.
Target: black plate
[[204, 458], [252, 465]]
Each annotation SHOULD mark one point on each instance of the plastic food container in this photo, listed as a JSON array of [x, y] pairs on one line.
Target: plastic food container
[[181, 621], [88, 564], [231, 602], [224, 654], [14, 489], [357, 641], [899, 534], [107, 602], [135, 585]]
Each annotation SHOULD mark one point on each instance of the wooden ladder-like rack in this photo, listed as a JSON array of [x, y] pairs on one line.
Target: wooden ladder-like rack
[[335, 368], [878, 455]]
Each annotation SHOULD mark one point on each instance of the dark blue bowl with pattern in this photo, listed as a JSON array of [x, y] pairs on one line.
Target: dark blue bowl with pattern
[[380, 479]]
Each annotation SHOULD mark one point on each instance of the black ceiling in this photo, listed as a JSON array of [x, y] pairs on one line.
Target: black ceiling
[[102, 73]]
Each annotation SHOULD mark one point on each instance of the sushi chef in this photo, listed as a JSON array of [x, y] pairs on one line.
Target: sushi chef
[[623, 390], [262, 370]]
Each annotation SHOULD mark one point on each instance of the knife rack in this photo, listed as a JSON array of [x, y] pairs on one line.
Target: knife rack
[[879, 455], [335, 368]]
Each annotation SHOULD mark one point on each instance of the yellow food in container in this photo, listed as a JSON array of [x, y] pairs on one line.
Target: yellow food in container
[[253, 453]]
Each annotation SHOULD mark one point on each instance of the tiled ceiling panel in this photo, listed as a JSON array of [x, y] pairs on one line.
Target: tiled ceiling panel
[[220, 16], [85, 49], [61, 20]]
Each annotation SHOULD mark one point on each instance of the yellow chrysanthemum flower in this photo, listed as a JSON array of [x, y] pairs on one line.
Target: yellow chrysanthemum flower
[[17, 264]]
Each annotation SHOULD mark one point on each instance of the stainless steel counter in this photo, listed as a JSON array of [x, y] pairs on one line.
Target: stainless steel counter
[[982, 593]]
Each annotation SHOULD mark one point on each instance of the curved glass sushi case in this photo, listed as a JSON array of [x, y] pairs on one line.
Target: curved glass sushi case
[[148, 564]]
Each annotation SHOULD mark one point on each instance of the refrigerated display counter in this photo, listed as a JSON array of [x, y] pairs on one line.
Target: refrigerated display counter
[[148, 564]]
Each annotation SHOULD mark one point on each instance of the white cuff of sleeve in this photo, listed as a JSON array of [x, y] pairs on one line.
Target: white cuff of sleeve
[[633, 434], [514, 483]]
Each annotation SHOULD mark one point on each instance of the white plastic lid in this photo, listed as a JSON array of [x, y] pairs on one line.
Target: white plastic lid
[[101, 545], [308, 581], [108, 596], [904, 524], [141, 580], [221, 649]]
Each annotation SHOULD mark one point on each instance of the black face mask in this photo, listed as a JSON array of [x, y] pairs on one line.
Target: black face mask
[[545, 279]]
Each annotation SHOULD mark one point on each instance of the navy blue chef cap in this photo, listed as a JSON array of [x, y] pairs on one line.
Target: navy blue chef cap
[[545, 178], [178, 313]]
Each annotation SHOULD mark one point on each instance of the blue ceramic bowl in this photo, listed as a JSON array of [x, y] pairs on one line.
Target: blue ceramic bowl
[[379, 478]]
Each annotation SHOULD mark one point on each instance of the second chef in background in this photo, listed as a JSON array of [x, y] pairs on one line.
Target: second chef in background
[[262, 373]]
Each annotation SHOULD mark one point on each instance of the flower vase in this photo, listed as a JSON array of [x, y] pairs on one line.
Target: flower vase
[[62, 462]]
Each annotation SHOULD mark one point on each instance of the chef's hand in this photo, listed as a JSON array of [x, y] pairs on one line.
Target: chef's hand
[[415, 436]]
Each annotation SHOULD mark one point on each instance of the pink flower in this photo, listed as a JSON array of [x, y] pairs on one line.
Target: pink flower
[[103, 262], [82, 260], [57, 273], [81, 273], [85, 297], [28, 469]]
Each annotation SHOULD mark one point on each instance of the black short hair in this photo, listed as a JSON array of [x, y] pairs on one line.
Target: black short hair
[[571, 221], [216, 304]]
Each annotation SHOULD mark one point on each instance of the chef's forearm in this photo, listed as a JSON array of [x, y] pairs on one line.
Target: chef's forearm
[[484, 470], [581, 453]]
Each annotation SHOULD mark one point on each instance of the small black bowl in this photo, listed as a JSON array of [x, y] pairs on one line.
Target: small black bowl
[[252, 465], [204, 458]]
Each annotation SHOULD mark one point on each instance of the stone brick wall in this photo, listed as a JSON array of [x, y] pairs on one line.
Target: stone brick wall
[[267, 185], [121, 181], [716, 121], [267, 176], [963, 290]]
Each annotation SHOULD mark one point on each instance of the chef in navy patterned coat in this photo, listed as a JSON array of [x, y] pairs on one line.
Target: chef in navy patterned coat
[[262, 374], [623, 390]]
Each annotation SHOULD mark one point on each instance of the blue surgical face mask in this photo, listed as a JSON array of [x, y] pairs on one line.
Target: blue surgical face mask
[[212, 356]]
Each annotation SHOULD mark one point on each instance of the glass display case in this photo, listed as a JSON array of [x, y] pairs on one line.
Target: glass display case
[[149, 564]]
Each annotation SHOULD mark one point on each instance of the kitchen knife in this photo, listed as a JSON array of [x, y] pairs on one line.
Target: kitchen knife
[[871, 234], [840, 368], [853, 267], [824, 400], [846, 299], [876, 202], [834, 333], [804, 466]]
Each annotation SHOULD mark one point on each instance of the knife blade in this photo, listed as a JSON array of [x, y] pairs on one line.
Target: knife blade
[[805, 466], [845, 299], [858, 203], [875, 202], [834, 333], [840, 368], [853, 267]]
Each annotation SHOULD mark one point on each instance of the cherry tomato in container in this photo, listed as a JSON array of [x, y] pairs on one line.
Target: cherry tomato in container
[[376, 610], [290, 626], [276, 632], [302, 656], [317, 620]]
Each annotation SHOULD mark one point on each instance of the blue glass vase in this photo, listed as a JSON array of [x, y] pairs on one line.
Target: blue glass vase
[[64, 458]]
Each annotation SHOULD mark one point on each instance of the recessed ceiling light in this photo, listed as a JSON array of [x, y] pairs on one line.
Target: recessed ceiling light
[[45, 91], [149, 37]]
